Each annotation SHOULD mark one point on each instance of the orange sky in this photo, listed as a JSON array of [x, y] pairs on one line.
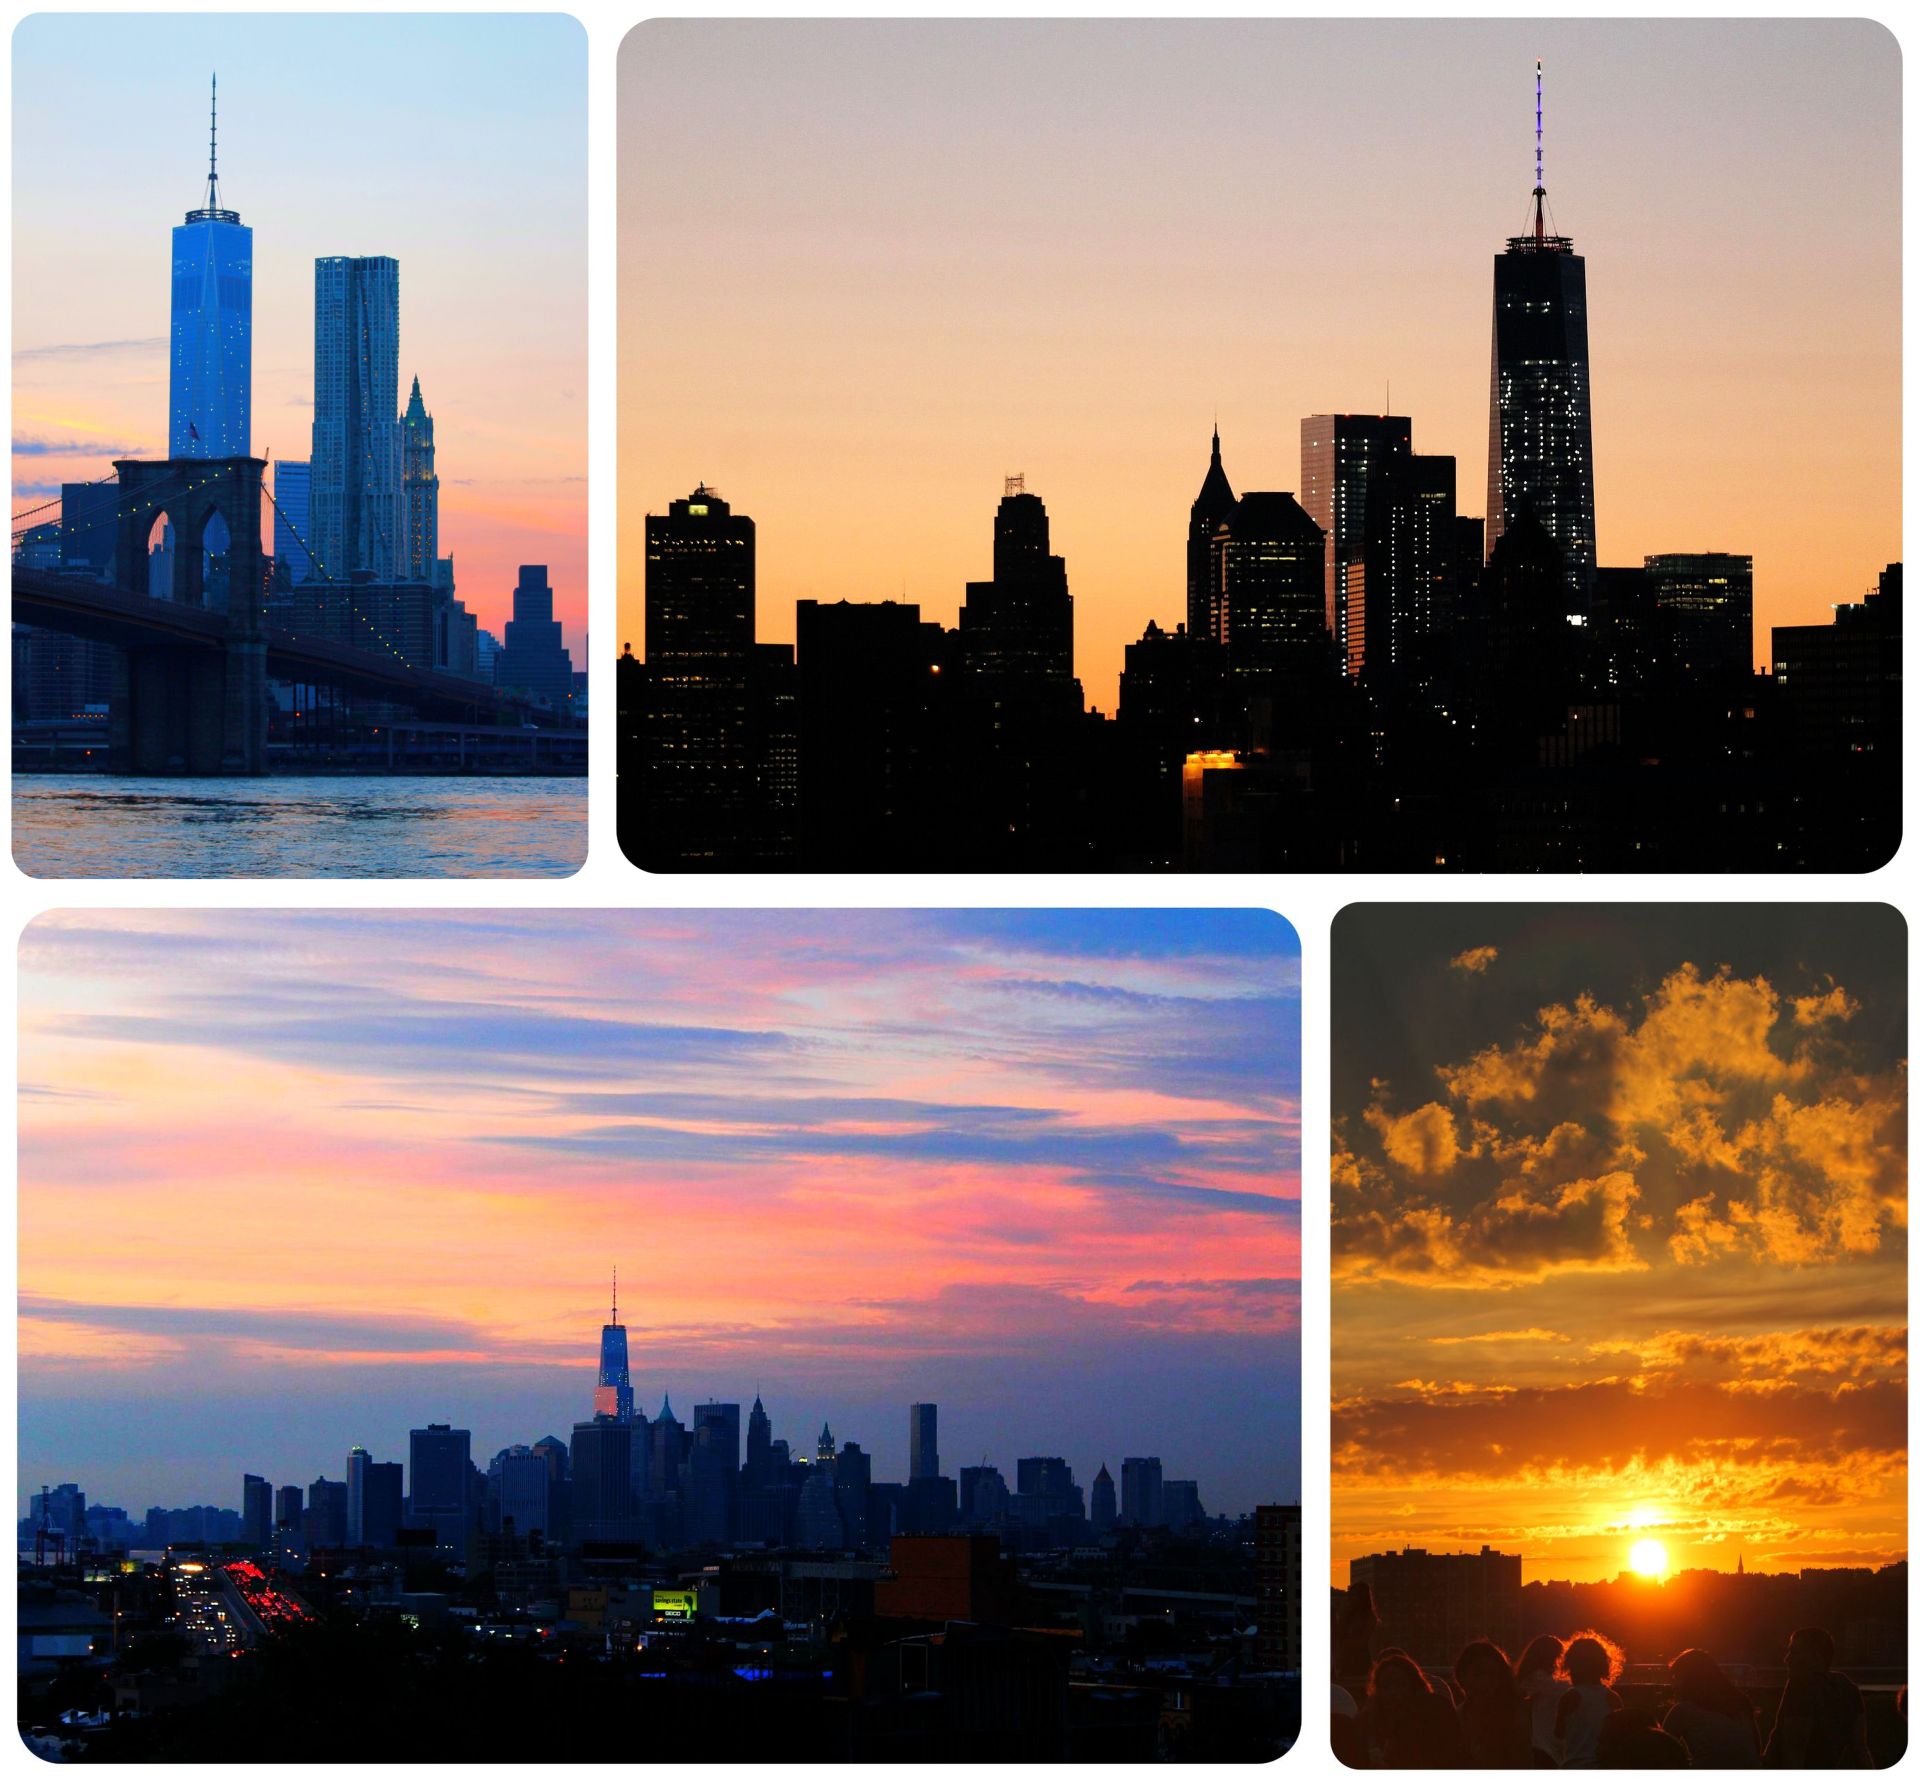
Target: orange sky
[[868, 269], [1619, 1235], [296, 1179], [455, 144]]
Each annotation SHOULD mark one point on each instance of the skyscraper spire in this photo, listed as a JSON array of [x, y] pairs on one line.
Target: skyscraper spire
[[613, 1387], [615, 1318], [213, 149], [1539, 158]]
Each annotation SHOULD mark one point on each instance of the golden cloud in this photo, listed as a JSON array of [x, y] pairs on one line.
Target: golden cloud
[[1422, 1142], [1526, 1231], [1836, 1004], [1475, 959], [1725, 1111], [1855, 1351], [1611, 1425]]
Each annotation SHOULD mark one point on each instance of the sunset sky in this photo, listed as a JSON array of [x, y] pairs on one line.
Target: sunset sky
[[1619, 1235], [297, 1180], [456, 144], [870, 268]]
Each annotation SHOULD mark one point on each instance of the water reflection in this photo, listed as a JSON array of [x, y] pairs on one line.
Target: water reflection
[[84, 826]]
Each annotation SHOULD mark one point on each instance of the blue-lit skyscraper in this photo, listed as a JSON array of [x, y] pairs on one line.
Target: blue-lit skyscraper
[[357, 519], [293, 518], [210, 384], [612, 1391]]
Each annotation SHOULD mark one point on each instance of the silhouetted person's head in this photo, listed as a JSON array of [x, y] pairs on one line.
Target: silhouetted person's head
[[1591, 1658], [1810, 1652], [1630, 1740], [1698, 1680], [1541, 1654], [1482, 1672], [1396, 1679]]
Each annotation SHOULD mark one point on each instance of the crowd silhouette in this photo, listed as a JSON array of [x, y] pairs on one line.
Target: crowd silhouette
[[1555, 1706]]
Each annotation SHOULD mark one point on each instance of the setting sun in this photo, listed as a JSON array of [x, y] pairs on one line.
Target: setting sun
[[1649, 1558]]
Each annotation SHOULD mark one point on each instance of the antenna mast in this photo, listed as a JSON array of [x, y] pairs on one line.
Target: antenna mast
[[1539, 158]]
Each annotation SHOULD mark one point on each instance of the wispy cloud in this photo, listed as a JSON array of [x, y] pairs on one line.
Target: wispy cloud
[[73, 448], [89, 348]]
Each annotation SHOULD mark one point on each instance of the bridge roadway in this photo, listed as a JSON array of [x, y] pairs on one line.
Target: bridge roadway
[[137, 621]]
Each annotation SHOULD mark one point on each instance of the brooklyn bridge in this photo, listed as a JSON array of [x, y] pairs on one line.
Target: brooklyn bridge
[[191, 672]]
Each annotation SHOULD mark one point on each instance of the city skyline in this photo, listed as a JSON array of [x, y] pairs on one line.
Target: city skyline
[[1039, 1168], [1618, 1240], [91, 375], [906, 364], [798, 1437]]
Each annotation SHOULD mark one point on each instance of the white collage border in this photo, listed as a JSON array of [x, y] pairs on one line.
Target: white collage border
[[606, 879]]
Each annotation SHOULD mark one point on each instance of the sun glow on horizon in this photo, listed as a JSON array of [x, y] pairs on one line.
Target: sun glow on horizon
[[1649, 1558]]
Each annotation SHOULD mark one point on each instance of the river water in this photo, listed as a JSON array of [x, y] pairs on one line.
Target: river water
[[83, 825]]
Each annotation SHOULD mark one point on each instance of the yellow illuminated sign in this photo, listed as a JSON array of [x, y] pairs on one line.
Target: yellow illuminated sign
[[676, 1604]]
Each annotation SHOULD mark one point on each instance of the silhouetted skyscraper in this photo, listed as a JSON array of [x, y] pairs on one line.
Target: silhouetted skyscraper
[[817, 1523], [1540, 424], [1407, 563], [210, 381], [439, 1466], [358, 1459], [357, 524], [1018, 627], [419, 492], [1340, 454], [668, 1437], [1103, 1511], [326, 1513], [603, 1506], [1705, 603], [1270, 559], [533, 659], [983, 1496], [1140, 1504], [256, 1510], [526, 1492], [288, 1506], [612, 1391], [381, 1497], [878, 688], [852, 1478], [713, 1472], [697, 770], [759, 1446], [1214, 503], [923, 1441]]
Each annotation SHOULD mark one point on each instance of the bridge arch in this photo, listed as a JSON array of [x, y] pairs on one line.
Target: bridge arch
[[197, 716], [195, 492]]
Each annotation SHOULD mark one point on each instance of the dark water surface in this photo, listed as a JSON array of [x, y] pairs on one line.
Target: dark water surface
[[88, 826]]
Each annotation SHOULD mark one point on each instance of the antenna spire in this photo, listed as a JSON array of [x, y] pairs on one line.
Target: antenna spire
[[615, 1318], [213, 149], [1539, 156]]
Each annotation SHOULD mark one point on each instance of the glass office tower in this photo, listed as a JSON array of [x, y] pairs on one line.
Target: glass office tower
[[1540, 409], [210, 381], [357, 516]]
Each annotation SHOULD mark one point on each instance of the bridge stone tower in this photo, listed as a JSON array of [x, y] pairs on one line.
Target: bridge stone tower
[[186, 711]]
